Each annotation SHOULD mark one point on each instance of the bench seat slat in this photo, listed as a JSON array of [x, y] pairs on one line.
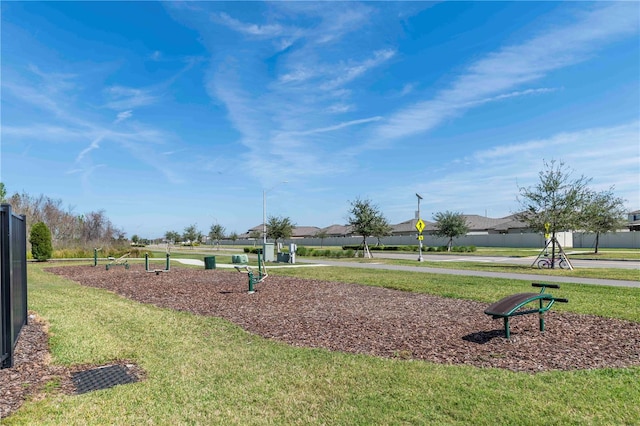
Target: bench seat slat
[[506, 306]]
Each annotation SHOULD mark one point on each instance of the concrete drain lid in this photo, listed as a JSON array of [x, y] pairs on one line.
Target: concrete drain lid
[[101, 378]]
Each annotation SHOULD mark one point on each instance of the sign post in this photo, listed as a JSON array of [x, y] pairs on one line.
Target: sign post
[[420, 228]]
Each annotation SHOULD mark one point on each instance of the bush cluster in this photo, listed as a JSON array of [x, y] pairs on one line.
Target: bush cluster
[[336, 254]]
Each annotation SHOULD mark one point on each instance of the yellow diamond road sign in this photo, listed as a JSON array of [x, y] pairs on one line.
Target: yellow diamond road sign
[[420, 225]]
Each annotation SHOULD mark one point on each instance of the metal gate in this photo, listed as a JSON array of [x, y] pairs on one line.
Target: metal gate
[[13, 281]]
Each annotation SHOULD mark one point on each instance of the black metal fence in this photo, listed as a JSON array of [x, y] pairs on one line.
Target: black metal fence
[[13, 281]]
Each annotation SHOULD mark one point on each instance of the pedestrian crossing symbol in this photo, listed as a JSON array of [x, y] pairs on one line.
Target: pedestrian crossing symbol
[[420, 225]]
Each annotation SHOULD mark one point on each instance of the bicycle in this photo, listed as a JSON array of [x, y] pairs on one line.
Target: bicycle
[[546, 263]]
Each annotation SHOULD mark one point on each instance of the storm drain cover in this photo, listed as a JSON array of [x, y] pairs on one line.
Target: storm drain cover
[[101, 378]]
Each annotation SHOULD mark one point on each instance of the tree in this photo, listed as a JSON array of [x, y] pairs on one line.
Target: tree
[[216, 233], [381, 229], [191, 234], [365, 218], [555, 203], [172, 237], [3, 193], [40, 239], [451, 225], [322, 235], [602, 213], [135, 239], [279, 228], [67, 229], [233, 237], [255, 235]]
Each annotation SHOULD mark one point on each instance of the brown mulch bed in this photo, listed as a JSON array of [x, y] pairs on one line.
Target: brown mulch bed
[[357, 319]]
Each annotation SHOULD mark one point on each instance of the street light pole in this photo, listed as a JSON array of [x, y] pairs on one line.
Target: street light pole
[[264, 217], [420, 259]]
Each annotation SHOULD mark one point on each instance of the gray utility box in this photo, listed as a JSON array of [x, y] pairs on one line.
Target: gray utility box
[[267, 252]]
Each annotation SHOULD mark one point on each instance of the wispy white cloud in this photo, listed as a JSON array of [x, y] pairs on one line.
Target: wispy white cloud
[[340, 108], [514, 94], [267, 30], [337, 126], [123, 116], [608, 155], [407, 88], [349, 72], [515, 65], [74, 126], [95, 144], [297, 75], [125, 98]]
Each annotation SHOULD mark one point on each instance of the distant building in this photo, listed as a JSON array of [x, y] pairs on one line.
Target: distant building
[[338, 231], [634, 220], [478, 225]]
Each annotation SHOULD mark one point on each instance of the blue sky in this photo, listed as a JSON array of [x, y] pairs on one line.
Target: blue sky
[[170, 114]]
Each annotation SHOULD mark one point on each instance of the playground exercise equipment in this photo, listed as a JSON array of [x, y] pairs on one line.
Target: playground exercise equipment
[[95, 256], [157, 271], [121, 261], [511, 306], [262, 274]]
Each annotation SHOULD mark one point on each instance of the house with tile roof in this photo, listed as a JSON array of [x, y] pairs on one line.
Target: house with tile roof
[[338, 230]]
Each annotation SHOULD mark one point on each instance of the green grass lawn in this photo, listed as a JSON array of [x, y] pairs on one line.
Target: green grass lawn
[[604, 273], [209, 371]]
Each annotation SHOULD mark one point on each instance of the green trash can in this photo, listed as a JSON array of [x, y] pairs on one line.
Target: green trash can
[[210, 262]]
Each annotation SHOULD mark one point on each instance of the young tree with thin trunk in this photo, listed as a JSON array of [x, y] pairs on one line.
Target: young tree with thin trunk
[[365, 218], [279, 228], [451, 225], [216, 233], [602, 213], [322, 235], [555, 203], [191, 234], [255, 236]]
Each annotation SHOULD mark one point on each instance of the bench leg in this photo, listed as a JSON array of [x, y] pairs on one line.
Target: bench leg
[[507, 332]]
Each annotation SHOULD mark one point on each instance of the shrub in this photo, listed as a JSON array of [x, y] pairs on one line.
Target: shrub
[[40, 239], [304, 251]]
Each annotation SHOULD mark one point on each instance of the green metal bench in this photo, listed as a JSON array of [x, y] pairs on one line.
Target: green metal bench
[[511, 306]]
